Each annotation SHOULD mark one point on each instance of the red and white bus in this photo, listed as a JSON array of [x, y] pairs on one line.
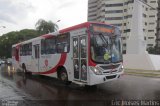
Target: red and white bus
[[89, 53]]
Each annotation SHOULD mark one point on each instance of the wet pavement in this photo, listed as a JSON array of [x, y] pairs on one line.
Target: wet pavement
[[40, 90]]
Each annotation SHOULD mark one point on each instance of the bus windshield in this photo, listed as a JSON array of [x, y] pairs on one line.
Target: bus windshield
[[106, 47]]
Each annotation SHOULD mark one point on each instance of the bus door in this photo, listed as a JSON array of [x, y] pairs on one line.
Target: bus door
[[36, 56], [80, 58]]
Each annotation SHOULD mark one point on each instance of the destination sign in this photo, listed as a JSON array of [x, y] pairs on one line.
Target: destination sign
[[102, 28]]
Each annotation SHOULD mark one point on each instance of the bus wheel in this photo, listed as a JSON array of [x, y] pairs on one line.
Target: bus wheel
[[63, 76], [24, 68]]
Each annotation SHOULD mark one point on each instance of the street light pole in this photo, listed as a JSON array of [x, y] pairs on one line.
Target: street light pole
[[57, 24]]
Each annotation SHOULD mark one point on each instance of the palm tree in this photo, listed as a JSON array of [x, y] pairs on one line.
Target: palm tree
[[44, 27]]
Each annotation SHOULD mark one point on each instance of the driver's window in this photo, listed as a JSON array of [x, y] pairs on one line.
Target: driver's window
[[99, 41], [115, 49]]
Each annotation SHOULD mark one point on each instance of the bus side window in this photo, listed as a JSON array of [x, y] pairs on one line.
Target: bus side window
[[48, 46], [26, 49], [43, 46], [30, 49], [63, 43], [21, 51]]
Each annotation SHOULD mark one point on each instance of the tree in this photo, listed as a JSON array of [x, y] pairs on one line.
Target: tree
[[44, 27], [151, 50], [7, 40]]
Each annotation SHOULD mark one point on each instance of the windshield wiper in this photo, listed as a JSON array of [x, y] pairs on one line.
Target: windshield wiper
[[103, 38]]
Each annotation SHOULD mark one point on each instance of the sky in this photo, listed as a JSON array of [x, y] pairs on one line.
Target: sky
[[23, 14]]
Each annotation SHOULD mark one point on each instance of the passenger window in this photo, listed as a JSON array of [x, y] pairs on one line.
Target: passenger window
[[43, 45], [48, 46], [26, 49], [63, 43]]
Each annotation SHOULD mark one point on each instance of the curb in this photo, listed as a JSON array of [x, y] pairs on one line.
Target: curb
[[143, 73]]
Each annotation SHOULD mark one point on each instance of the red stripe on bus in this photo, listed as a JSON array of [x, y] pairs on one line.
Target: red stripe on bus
[[47, 36], [54, 69], [17, 53], [83, 25]]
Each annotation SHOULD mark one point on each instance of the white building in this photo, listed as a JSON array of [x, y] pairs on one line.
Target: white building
[[119, 13], [158, 29]]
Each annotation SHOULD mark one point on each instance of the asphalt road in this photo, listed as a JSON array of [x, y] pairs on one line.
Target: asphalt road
[[29, 90]]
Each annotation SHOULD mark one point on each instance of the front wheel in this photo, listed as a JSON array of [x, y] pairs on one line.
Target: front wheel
[[63, 76]]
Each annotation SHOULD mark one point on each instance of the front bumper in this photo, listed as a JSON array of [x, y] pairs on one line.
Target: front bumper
[[98, 79]]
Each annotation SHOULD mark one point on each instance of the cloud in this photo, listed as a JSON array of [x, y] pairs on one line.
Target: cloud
[[21, 14], [72, 12], [13, 11], [66, 3]]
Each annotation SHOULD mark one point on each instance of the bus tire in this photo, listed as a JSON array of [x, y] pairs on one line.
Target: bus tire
[[63, 76], [24, 68]]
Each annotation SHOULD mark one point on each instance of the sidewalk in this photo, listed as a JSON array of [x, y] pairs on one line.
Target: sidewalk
[[145, 73]]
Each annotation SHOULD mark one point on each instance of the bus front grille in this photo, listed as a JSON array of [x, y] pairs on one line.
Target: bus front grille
[[110, 67], [111, 77], [111, 71]]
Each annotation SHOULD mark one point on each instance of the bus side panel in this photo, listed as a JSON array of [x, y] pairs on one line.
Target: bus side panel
[[48, 62], [27, 61]]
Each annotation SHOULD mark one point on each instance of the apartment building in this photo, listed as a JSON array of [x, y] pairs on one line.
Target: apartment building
[[158, 30], [119, 13]]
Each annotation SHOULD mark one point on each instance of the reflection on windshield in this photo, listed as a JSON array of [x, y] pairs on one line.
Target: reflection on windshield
[[116, 49], [105, 49], [100, 46]]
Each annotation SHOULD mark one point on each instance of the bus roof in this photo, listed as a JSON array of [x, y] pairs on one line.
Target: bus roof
[[82, 25], [86, 24]]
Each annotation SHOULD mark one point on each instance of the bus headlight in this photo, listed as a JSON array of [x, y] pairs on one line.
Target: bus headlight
[[121, 69], [97, 71]]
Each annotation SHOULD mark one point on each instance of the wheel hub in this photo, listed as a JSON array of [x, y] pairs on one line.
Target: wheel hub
[[63, 76]]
